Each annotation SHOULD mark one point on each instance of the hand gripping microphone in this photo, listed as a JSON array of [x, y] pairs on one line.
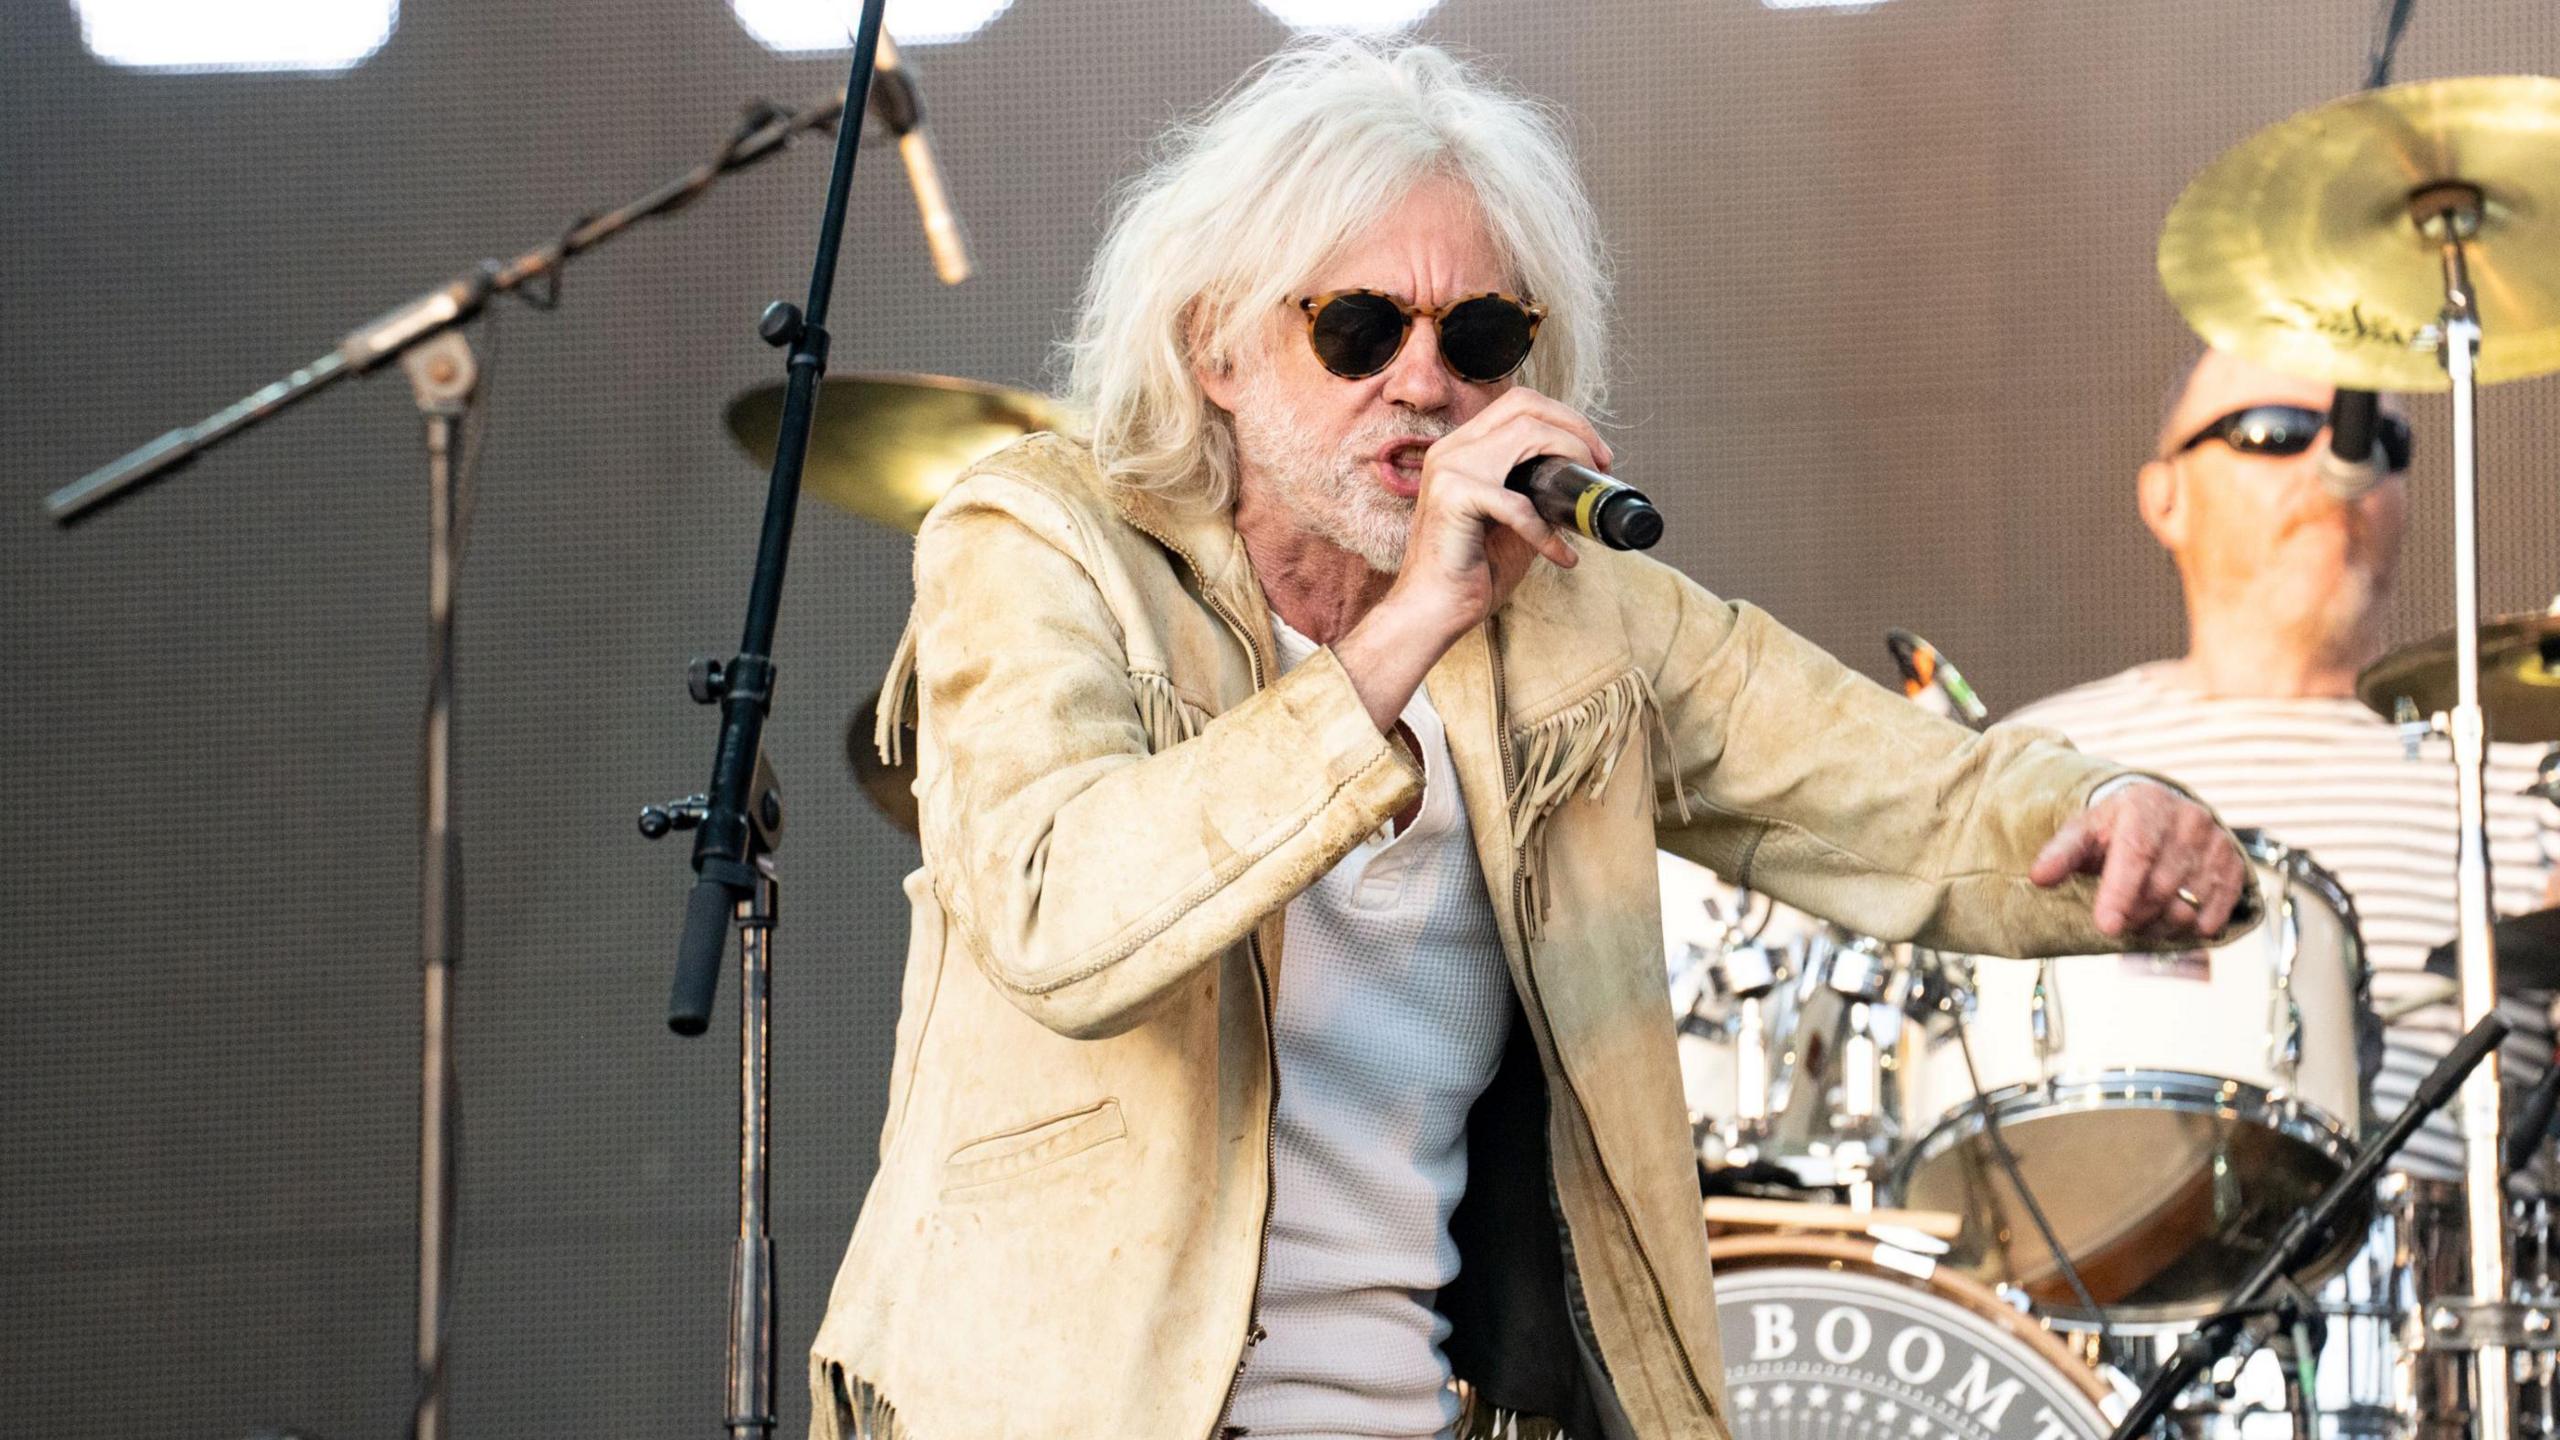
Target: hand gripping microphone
[[2347, 465], [1578, 498], [900, 106]]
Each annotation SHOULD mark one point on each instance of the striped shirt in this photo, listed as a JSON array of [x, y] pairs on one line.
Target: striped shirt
[[2328, 776]]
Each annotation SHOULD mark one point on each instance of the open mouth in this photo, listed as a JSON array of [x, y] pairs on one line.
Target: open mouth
[[1400, 465]]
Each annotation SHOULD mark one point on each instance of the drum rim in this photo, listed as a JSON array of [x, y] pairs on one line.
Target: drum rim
[[1858, 1252], [2177, 1091], [2204, 1094]]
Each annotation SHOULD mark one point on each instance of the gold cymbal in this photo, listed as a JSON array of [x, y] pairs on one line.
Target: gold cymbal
[[2519, 677], [2296, 248], [886, 446]]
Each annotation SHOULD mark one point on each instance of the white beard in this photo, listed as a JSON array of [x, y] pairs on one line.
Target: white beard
[[1336, 497]]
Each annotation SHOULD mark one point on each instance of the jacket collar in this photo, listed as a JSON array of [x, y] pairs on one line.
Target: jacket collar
[[1203, 535]]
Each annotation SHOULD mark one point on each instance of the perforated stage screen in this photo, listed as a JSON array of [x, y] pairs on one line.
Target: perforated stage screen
[[1892, 349]]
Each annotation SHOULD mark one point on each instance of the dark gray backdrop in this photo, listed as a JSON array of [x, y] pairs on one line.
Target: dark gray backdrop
[[1893, 347]]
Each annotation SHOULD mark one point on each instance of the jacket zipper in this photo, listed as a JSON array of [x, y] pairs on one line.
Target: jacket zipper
[[1537, 1011], [1253, 1332]]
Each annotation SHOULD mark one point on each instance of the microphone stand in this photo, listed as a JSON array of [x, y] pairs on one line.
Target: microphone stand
[[425, 336], [737, 822], [2250, 1311]]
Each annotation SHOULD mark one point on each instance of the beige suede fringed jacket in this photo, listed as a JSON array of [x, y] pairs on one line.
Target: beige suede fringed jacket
[[1120, 794]]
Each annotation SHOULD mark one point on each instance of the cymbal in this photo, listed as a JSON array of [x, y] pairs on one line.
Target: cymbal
[[2519, 677], [886, 446], [890, 788], [2528, 952], [2296, 248]]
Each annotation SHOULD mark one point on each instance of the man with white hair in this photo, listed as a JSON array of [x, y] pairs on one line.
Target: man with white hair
[[1282, 1049]]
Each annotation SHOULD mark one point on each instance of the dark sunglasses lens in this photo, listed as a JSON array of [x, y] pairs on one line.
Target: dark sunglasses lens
[[2273, 429], [1485, 338], [1356, 335]]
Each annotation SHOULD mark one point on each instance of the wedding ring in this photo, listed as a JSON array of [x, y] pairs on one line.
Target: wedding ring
[[2193, 903]]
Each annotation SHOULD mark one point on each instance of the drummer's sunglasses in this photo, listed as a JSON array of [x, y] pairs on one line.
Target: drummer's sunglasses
[[1357, 333], [2290, 429]]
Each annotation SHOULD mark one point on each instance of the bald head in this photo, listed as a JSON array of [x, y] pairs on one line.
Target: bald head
[[2217, 382]]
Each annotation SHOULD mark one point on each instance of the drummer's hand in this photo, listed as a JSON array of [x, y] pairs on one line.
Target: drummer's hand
[[2145, 842]]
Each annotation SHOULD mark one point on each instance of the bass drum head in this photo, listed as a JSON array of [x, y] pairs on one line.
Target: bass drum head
[[1840, 1336]]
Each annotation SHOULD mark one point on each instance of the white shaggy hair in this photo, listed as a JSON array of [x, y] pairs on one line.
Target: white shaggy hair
[[1246, 202]]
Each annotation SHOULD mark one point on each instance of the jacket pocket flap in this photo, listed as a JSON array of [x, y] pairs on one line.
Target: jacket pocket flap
[[1018, 1152]]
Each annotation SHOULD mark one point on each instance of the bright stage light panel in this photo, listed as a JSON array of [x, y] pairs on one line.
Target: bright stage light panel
[[203, 35], [800, 26], [1348, 16]]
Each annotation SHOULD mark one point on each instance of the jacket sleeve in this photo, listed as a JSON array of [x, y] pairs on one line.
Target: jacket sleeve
[[1809, 783], [1089, 876]]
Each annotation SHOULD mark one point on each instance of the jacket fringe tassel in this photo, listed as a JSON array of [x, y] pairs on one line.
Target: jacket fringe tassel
[[1577, 749], [859, 1411], [1166, 717], [897, 712], [1481, 1420]]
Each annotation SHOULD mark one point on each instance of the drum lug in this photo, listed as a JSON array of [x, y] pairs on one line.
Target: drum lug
[[2510, 1325]]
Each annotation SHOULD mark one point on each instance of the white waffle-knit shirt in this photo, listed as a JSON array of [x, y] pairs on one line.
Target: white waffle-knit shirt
[[1392, 1004]]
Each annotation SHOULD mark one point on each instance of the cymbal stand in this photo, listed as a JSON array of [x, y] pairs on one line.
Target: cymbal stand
[[2449, 215]]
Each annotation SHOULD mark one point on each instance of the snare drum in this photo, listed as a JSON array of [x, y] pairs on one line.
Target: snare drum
[[2168, 1112], [1830, 1335]]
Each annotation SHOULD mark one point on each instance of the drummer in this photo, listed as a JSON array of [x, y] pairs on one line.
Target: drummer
[[2285, 590]]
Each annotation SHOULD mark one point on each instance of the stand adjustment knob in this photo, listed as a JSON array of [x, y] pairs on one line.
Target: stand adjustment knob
[[780, 324], [657, 820], [706, 680]]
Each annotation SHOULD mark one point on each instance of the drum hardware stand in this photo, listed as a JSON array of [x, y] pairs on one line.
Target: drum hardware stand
[[753, 1352], [2449, 215], [424, 335], [2309, 1229], [737, 821]]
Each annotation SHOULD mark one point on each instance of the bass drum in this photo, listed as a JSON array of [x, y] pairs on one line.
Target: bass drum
[[2168, 1112], [1837, 1335]]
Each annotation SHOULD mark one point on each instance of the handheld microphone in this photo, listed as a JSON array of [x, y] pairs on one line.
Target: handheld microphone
[[2347, 466], [900, 106], [1927, 677], [1578, 498]]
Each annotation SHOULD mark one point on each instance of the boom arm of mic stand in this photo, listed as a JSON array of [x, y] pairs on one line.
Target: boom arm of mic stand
[[2210, 1340], [428, 315]]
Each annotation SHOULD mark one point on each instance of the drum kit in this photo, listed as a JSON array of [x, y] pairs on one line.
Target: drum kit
[[1966, 1196], [2018, 1185]]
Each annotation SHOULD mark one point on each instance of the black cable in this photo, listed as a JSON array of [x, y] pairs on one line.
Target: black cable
[[2018, 1180]]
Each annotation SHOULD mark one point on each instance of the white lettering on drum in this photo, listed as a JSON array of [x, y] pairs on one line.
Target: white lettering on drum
[[1773, 1332], [1975, 1395], [1825, 1333], [2050, 1426], [1898, 1356]]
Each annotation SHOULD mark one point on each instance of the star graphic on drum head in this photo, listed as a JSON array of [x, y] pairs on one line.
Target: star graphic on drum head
[[1818, 1397], [1745, 1398], [1853, 1402], [1887, 1413], [1919, 1425], [1782, 1396]]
